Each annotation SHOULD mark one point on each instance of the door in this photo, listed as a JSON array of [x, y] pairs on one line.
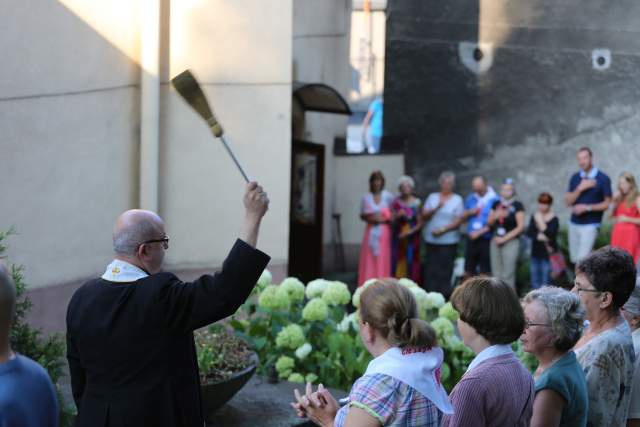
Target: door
[[305, 225]]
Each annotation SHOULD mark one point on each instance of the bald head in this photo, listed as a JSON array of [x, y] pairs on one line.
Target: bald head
[[134, 227], [7, 299]]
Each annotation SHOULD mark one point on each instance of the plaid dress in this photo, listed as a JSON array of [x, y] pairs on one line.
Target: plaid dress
[[391, 402]]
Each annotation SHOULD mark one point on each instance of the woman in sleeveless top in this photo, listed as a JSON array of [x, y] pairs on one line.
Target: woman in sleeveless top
[[626, 215]]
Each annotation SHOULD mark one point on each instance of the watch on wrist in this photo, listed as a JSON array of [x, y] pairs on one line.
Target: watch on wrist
[[589, 208]]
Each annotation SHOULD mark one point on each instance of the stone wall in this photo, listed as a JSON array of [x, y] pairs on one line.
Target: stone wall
[[513, 88]]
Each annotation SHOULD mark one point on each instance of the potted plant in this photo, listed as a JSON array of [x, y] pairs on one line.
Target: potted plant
[[226, 364]]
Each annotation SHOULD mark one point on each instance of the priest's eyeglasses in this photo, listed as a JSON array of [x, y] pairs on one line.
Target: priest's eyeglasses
[[164, 241]]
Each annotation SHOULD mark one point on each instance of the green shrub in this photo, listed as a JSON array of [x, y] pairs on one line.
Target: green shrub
[[48, 351]]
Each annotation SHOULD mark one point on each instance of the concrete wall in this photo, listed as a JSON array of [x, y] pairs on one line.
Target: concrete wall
[[68, 134], [246, 73], [526, 101], [321, 54], [69, 129]]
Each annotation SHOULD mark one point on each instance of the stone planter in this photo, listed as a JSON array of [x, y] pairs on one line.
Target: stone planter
[[216, 394]]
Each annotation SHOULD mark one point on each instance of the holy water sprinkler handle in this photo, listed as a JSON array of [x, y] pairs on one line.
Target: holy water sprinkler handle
[[218, 132]]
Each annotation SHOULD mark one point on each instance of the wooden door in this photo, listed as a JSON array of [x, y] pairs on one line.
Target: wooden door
[[306, 219]]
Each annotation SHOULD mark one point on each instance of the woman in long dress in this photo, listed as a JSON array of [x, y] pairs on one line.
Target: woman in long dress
[[407, 222], [375, 251]]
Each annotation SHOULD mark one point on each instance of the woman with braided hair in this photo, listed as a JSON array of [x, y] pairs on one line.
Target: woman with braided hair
[[401, 386]]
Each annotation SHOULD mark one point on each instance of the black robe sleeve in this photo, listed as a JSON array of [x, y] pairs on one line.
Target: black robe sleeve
[[192, 305]]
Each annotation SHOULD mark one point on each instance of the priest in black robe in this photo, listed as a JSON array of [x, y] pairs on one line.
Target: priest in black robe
[[130, 346]]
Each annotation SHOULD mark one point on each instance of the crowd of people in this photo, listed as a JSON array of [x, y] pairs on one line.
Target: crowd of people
[[585, 342], [130, 342], [405, 237]]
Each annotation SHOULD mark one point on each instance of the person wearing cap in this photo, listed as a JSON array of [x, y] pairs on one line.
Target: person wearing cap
[[507, 224], [631, 312]]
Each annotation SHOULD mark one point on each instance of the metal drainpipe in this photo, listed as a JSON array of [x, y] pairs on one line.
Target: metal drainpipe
[[149, 103]]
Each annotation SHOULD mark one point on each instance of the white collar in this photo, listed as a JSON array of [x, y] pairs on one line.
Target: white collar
[[122, 271], [418, 368], [490, 352], [592, 173]]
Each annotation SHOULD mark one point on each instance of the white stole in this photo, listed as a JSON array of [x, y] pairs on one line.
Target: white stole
[[122, 271]]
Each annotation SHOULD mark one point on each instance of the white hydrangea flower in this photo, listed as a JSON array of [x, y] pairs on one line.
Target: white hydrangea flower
[[294, 287], [436, 299], [344, 324], [336, 293], [316, 287], [354, 319], [265, 279], [303, 351]]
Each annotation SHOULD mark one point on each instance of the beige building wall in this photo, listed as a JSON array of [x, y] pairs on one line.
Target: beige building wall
[[69, 129], [68, 134], [241, 52]]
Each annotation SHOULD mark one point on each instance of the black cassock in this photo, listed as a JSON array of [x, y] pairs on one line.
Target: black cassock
[[130, 346]]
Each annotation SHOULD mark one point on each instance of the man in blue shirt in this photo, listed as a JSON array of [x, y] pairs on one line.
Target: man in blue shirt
[[373, 123], [27, 397], [588, 196], [477, 206]]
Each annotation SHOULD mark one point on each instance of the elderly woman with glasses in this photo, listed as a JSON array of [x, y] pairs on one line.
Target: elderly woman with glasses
[[604, 281], [631, 312], [553, 324]]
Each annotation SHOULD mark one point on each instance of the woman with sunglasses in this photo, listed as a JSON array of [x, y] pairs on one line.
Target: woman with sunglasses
[[604, 281], [553, 324]]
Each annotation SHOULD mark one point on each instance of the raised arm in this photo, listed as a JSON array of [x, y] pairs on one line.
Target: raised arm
[[256, 204], [189, 306]]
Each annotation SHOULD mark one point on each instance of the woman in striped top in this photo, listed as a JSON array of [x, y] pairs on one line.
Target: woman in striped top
[[496, 390], [401, 386]]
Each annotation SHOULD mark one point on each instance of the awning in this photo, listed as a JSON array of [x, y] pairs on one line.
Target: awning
[[319, 97]]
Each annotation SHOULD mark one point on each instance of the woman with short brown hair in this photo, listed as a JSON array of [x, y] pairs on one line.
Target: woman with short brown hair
[[496, 389]]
